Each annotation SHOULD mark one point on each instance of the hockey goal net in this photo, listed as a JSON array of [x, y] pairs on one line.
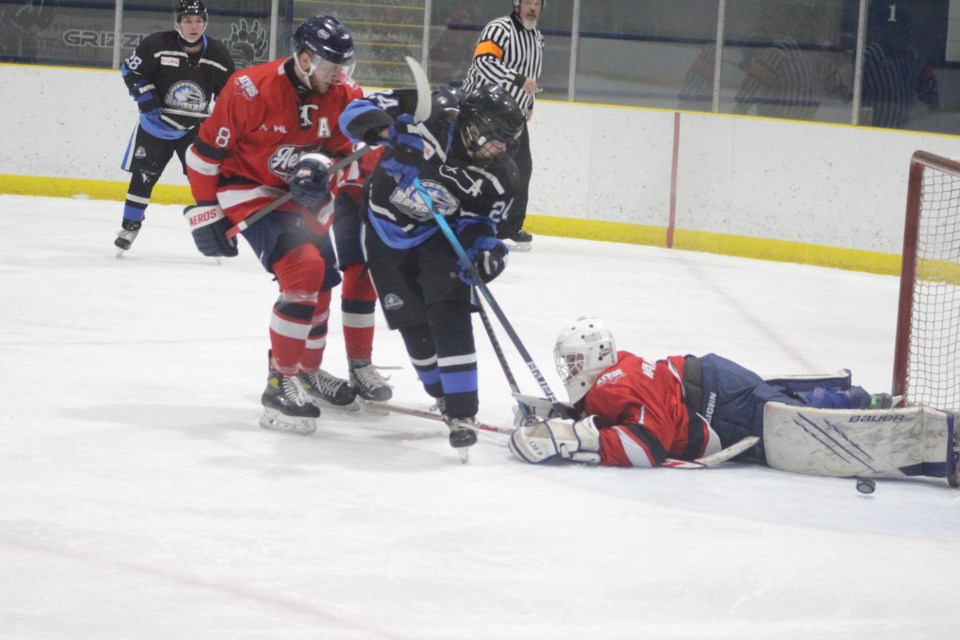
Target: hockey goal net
[[926, 366]]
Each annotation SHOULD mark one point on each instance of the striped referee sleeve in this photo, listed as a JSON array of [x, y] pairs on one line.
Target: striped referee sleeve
[[507, 54]]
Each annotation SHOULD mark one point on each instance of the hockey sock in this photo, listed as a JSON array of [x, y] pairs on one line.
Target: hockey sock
[[138, 195], [290, 325], [456, 356], [423, 357], [358, 301], [312, 355]]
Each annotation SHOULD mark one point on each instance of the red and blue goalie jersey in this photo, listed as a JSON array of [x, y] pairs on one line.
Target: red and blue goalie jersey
[[641, 404]]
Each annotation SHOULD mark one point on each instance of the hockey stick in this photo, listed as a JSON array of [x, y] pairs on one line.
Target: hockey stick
[[254, 217], [485, 290], [670, 463]]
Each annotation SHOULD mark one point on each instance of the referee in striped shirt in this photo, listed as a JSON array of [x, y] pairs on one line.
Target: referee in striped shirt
[[510, 53]]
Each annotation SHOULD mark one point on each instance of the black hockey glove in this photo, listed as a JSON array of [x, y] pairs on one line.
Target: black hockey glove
[[310, 182], [407, 158], [209, 228], [489, 255]]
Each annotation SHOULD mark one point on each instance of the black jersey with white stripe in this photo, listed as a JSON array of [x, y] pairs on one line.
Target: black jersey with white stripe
[[507, 54], [183, 85]]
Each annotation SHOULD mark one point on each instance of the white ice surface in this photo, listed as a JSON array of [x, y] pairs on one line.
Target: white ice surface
[[139, 498]]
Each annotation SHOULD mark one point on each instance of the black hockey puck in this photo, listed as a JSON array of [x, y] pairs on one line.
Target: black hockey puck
[[866, 486]]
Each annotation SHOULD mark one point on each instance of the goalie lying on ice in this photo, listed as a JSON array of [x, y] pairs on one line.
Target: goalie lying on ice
[[627, 411]]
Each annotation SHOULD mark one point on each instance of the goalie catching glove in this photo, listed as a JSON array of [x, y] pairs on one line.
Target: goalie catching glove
[[209, 225], [555, 440]]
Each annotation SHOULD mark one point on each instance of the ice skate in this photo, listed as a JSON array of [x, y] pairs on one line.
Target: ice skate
[[126, 236], [368, 382], [521, 241], [325, 390], [284, 407], [463, 435]]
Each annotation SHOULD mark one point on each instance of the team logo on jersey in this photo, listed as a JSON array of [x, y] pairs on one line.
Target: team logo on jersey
[[411, 203], [392, 302], [305, 122], [140, 153], [187, 95], [285, 158]]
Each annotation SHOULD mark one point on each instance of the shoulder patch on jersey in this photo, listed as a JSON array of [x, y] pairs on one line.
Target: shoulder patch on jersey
[[244, 86], [610, 377]]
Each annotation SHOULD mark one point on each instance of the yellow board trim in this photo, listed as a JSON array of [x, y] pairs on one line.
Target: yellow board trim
[[703, 241], [719, 243]]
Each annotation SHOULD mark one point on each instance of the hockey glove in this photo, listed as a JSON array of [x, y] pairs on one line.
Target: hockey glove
[[489, 256], [310, 183], [407, 158], [209, 227], [556, 440]]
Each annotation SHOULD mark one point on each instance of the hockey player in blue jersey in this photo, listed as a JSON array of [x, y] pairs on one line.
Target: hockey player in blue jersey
[[174, 77], [462, 157]]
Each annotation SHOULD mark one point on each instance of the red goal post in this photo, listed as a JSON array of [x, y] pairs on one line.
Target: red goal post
[[926, 365]]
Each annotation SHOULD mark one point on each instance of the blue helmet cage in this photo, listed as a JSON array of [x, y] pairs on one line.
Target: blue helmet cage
[[325, 38]]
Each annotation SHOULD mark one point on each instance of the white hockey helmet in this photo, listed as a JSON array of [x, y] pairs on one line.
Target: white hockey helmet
[[583, 350]]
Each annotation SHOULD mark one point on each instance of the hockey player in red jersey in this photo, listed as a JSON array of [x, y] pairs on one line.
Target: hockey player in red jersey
[[631, 412], [275, 130]]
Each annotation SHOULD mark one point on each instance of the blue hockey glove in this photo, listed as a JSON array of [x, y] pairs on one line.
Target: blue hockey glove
[[489, 255], [310, 182], [407, 158], [209, 225]]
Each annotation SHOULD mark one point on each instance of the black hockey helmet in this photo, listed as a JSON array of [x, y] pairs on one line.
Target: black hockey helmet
[[191, 8], [325, 38], [488, 113]]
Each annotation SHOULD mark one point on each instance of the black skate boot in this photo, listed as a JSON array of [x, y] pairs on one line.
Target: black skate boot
[[368, 382], [325, 390], [284, 408], [463, 435], [522, 241], [126, 236]]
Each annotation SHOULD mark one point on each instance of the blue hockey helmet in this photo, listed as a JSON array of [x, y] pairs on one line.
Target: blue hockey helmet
[[326, 39]]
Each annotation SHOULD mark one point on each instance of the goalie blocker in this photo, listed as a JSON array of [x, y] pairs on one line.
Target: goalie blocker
[[891, 443]]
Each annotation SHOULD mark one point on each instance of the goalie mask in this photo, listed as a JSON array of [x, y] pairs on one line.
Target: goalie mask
[[190, 8], [330, 46], [490, 123], [583, 350]]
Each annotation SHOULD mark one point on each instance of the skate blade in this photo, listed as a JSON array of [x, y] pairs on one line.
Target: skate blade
[[120, 252], [367, 408], [464, 454], [273, 420], [522, 247], [353, 407]]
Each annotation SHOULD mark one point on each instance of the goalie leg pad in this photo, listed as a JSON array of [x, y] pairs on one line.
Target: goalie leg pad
[[893, 443]]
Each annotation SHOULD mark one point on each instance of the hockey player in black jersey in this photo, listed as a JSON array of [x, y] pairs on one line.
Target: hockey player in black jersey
[[462, 156], [174, 77]]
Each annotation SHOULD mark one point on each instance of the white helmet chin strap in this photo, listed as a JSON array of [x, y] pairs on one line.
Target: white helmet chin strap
[[182, 37]]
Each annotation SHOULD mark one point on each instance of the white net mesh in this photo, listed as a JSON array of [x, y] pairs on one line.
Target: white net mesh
[[933, 365]]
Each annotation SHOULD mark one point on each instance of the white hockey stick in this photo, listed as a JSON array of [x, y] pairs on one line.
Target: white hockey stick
[[700, 463]]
